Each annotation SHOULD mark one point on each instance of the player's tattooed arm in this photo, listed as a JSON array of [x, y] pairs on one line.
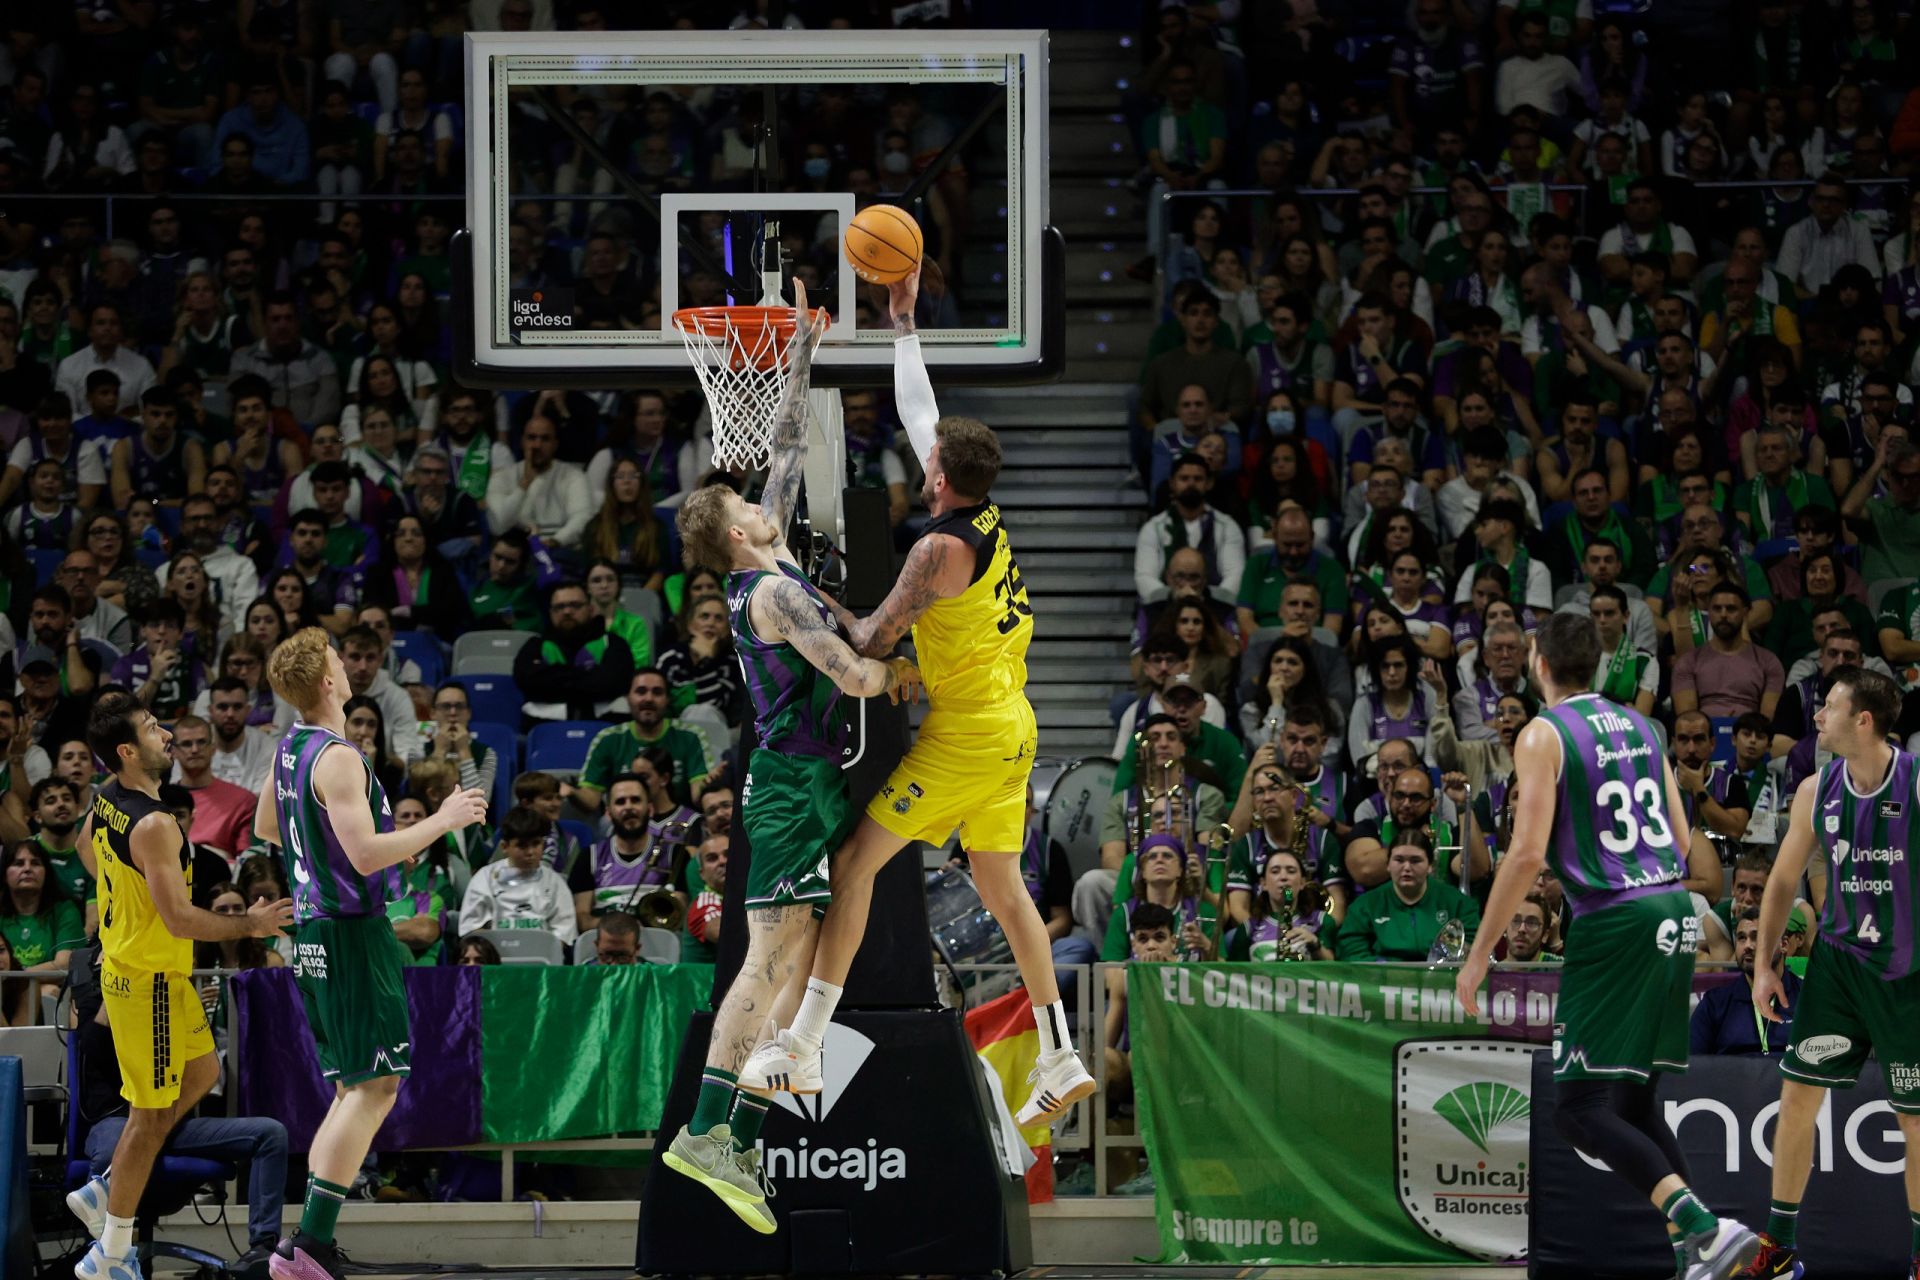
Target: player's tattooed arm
[[923, 580], [782, 491], [795, 619]]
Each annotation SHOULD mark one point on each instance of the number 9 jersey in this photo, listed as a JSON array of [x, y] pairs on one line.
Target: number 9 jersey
[[972, 648]]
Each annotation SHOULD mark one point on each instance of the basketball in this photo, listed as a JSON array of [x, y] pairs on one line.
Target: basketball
[[883, 244]]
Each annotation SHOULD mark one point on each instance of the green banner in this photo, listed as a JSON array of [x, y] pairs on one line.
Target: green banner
[[584, 1057], [1334, 1113]]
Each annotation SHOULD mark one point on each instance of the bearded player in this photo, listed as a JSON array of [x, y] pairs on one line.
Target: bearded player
[[795, 802], [148, 925], [1862, 993], [960, 594], [328, 812]]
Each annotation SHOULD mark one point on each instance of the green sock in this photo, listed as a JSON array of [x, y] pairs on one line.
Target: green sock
[[1679, 1243], [1913, 1228], [1688, 1214], [716, 1095], [1783, 1220], [321, 1212], [749, 1113]]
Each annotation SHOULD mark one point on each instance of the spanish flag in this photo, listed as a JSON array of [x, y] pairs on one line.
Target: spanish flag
[[1004, 1035]]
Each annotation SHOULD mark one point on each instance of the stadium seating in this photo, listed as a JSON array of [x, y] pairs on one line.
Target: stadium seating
[[561, 745], [494, 698], [479, 653], [421, 649], [525, 946]]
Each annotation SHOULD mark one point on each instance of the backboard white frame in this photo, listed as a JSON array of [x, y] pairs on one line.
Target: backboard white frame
[[748, 58]]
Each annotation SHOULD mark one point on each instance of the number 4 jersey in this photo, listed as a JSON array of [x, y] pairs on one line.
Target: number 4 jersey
[[972, 648], [1874, 877], [1612, 837]]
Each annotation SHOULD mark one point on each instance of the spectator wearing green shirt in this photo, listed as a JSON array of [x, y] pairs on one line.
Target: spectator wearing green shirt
[[425, 889], [1292, 558], [1403, 918], [1768, 504], [1185, 142], [614, 750], [180, 88], [1208, 744], [1171, 875], [56, 816], [36, 918], [1898, 630], [603, 593], [505, 598], [1527, 933], [1889, 527]]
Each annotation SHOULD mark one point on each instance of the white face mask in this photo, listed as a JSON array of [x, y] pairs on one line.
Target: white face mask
[[896, 162]]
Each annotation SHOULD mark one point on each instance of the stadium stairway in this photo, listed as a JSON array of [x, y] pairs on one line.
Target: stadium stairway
[[1073, 522], [1071, 515]]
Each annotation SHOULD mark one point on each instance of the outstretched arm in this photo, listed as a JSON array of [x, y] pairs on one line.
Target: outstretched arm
[[782, 490], [935, 568], [783, 609], [912, 389]]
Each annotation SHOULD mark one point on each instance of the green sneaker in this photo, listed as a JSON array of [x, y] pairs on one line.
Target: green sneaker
[[712, 1160]]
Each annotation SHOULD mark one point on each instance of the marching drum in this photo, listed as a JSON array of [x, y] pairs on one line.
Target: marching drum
[[1072, 809]]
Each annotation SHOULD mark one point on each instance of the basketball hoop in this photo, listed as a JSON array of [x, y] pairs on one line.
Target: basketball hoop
[[740, 356]]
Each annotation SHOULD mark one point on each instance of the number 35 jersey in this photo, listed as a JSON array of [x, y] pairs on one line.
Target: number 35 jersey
[[972, 648], [1874, 877], [1613, 839]]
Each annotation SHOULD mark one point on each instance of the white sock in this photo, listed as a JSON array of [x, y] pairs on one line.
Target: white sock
[[1052, 1021], [117, 1240], [816, 1011]]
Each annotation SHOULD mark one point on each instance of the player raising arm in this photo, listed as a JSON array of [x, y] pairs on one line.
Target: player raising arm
[[1862, 993], [148, 925], [961, 595], [795, 802], [1599, 806], [332, 820]]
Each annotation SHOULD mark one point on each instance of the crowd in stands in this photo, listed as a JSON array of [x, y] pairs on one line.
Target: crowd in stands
[[1467, 315], [227, 412]]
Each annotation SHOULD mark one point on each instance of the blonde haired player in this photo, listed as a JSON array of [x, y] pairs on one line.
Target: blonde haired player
[[327, 811], [960, 593], [148, 925], [794, 805]]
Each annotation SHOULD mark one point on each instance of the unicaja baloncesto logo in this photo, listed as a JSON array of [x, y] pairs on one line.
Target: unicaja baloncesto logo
[[842, 1053], [1462, 1168], [544, 308]]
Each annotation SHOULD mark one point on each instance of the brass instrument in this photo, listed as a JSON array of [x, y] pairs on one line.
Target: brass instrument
[[1309, 900], [660, 910], [1218, 842]]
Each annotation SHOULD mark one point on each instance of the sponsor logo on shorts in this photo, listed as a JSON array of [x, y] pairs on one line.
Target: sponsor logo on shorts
[[913, 789], [1675, 935], [903, 804], [1903, 1077], [1817, 1049], [309, 960]]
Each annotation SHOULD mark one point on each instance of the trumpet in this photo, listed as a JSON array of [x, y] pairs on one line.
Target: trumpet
[[1310, 899], [1157, 781]]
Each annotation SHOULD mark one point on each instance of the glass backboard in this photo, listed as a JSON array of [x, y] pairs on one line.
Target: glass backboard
[[647, 171]]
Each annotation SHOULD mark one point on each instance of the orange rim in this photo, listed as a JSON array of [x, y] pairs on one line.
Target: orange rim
[[743, 327]]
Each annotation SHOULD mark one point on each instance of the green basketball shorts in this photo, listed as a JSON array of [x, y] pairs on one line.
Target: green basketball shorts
[[1847, 1011], [796, 813], [1625, 991], [348, 970]]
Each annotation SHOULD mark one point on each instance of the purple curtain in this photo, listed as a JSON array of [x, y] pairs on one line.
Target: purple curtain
[[439, 1104]]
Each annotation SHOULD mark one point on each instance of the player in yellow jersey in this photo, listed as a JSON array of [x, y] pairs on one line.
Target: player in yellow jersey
[[960, 593], [148, 925]]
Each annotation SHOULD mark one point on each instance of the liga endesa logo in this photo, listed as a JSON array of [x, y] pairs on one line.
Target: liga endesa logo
[[1461, 1142], [843, 1052], [546, 308]]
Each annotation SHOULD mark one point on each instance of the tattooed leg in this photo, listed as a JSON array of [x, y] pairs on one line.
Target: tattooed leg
[[777, 939]]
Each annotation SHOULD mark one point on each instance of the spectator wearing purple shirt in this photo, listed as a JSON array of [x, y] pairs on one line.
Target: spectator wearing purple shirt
[[1436, 74]]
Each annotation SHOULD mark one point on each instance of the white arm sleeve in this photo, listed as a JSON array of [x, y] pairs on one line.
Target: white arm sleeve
[[913, 395]]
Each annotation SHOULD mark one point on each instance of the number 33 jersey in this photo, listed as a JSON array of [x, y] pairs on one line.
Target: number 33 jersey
[[972, 648], [1613, 839], [1874, 877]]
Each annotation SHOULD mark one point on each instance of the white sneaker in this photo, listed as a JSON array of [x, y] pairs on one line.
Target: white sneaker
[[89, 1204], [96, 1265], [1058, 1081], [1727, 1252], [782, 1066]]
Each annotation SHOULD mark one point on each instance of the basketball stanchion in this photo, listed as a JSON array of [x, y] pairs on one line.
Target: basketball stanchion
[[895, 1167]]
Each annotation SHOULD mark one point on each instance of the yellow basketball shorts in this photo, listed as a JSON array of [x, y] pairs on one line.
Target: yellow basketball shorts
[[159, 1025], [967, 771]]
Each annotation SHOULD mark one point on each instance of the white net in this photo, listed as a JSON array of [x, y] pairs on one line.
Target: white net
[[739, 355]]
